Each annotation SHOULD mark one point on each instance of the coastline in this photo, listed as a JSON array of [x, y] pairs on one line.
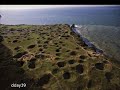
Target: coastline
[[90, 45], [103, 37], [86, 41]]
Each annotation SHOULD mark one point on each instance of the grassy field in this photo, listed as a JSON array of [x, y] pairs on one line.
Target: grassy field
[[52, 57]]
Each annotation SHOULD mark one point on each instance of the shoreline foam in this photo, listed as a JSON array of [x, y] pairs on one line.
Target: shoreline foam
[[86, 41]]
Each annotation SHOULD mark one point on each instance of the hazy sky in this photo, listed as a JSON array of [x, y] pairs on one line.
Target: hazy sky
[[12, 7]]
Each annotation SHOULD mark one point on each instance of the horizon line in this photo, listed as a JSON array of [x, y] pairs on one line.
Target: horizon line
[[20, 7]]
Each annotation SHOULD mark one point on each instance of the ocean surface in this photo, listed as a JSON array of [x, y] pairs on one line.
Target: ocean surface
[[101, 25], [77, 15], [106, 38]]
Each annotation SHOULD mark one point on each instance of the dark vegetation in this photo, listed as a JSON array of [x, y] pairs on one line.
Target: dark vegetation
[[99, 66], [61, 64], [71, 61], [55, 71], [66, 75], [31, 64], [73, 53], [108, 76], [43, 80], [31, 46], [89, 85], [20, 54], [79, 68], [20, 63], [83, 57]]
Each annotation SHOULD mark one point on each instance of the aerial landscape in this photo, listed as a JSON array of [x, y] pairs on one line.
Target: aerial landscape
[[59, 55]]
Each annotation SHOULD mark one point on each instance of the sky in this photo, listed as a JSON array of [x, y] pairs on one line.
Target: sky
[[14, 7]]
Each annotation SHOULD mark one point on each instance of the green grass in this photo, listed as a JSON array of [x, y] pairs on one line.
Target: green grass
[[47, 63]]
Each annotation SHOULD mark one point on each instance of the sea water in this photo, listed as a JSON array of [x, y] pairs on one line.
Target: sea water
[[77, 15]]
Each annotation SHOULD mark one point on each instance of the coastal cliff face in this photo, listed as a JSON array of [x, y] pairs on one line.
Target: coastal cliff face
[[52, 57], [105, 37]]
